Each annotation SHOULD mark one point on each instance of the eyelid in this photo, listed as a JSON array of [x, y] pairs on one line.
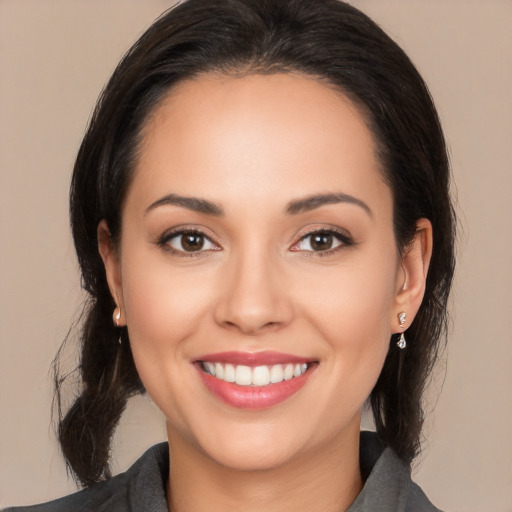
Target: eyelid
[[340, 234], [164, 239]]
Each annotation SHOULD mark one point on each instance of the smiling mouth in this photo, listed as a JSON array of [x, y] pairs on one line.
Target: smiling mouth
[[254, 381], [255, 376]]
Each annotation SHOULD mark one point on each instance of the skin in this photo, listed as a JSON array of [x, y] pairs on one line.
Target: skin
[[252, 145]]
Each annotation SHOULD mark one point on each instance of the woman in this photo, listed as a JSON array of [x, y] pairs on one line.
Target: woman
[[261, 214]]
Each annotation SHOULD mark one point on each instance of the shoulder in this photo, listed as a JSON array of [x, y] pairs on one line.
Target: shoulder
[[388, 483], [417, 501], [144, 481], [96, 497]]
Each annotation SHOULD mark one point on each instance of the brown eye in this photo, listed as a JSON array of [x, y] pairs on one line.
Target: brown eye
[[190, 241], [321, 241]]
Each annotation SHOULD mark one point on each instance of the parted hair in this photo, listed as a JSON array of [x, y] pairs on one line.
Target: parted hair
[[328, 40]]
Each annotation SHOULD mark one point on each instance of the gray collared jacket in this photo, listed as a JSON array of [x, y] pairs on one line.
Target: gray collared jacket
[[388, 486]]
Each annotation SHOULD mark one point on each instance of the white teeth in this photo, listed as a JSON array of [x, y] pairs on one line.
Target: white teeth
[[254, 376], [243, 375], [229, 373], [276, 373], [219, 371], [261, 376], [210, 368], [288, 372]]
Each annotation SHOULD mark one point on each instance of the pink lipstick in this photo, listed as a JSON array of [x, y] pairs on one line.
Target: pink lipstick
[[255, 380]]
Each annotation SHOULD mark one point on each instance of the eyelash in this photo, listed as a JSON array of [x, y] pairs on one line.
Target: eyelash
[[339, 235], [164, 240]]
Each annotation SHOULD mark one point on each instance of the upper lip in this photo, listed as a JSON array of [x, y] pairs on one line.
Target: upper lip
[[253, 358]]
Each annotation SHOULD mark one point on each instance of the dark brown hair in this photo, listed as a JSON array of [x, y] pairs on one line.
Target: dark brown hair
[[325, 39]]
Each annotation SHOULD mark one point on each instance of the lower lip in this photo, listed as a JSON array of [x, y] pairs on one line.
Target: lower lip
[[253, 397]]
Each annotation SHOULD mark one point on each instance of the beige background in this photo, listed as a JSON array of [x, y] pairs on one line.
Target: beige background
[[55, 57]]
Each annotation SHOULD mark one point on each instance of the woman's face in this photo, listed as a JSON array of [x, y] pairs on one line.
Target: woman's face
[[257, 243]]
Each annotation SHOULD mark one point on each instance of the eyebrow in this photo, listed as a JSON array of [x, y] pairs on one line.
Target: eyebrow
[[294, 207], [191, 203], [309, 203]]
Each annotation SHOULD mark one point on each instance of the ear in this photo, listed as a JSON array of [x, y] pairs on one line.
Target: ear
[[411, 280], [110, 258]]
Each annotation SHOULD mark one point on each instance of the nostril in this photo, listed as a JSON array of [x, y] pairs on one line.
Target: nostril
[[250, 328], [251, 308]]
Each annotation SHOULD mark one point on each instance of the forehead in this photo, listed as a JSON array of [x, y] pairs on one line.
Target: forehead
[[257, 135]]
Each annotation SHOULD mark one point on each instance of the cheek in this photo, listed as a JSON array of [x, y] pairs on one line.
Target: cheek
[[350, 307], [352, 300], [164, 304], [164, 308]]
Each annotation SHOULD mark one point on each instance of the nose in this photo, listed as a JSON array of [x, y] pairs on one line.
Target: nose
[[253, 298]]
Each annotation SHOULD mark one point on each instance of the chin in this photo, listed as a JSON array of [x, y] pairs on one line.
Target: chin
[[249, 457], [259, 446]]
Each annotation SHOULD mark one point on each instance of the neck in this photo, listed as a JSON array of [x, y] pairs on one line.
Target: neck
[[327, 480]]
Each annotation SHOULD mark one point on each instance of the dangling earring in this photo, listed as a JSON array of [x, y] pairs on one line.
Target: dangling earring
[[117, 317], [401, 343]]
